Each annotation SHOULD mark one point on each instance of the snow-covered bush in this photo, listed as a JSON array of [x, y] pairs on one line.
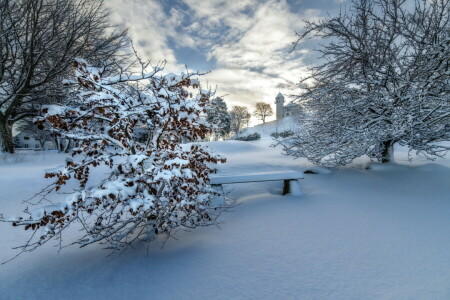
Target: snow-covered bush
[[154, 185], [251, 137], [282, 134]]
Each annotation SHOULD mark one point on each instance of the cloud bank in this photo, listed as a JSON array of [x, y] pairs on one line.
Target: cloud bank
[[245, 44]]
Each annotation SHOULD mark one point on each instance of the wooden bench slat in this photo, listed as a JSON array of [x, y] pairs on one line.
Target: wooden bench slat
[[229, 179]]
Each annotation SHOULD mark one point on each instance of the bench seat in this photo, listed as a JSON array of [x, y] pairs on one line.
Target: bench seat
[[290, 178]]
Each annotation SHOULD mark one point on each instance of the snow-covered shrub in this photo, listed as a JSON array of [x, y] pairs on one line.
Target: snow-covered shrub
[[287, 133], [283, 134], [251, 137], [154, 184], [275, 135]]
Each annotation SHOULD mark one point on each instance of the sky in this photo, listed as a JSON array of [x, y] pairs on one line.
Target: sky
[[243, 44]]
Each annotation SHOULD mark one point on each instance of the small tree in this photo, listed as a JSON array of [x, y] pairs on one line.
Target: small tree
[[239, 118], [218, 116], [153, 186], [262, 111], [384, 81]]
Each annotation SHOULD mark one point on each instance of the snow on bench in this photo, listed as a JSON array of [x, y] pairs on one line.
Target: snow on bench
[[290, 178]]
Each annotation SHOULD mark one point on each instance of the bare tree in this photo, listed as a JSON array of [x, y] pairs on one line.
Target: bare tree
[[239, 118], [262, 111], [384, 81], [39, 40]]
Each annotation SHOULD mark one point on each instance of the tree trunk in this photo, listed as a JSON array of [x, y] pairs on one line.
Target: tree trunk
[[68, 145], [57, 143], [42, 143], [387, 153], [6, 137]]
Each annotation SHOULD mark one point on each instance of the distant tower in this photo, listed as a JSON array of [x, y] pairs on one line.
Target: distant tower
[[279, 101]]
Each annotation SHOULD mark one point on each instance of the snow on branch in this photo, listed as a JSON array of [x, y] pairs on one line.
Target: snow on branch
[[133, 124], [384, 80]]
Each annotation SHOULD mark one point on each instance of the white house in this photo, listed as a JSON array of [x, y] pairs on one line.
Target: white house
[[27, 140]]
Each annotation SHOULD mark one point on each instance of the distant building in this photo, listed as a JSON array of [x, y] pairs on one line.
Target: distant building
[[27, 140], [282, 111], [292, 109], [279, 101]]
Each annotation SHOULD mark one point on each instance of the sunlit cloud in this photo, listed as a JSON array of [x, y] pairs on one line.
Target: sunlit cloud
[[245, 44]]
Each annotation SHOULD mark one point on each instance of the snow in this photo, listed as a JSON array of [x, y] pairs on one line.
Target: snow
[[177, 161], [54, 109], [268, 176], [294, 188], [265, 130], [381, 232]]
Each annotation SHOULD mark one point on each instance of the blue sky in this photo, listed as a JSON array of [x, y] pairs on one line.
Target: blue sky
[[244, 44]]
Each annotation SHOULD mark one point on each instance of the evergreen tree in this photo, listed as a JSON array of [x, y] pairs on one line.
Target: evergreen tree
[[219, 118]]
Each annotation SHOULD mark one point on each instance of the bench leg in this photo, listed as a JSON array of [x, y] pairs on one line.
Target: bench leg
[[286, 188], [292, 187], [217, 187]]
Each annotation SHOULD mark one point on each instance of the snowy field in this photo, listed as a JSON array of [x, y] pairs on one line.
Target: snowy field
[[379, 233]]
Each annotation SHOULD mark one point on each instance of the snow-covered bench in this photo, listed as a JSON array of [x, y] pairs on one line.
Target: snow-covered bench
[[290, 178]]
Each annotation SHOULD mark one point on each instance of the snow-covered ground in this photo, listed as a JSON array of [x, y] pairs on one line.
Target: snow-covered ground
[[265, 130], [381, 233]]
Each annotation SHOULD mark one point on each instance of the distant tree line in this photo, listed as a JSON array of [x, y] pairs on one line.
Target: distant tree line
[[234, 121]]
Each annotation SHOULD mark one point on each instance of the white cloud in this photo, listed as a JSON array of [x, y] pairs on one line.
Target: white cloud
[[257, 64], [151, 28], [248, 40]]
